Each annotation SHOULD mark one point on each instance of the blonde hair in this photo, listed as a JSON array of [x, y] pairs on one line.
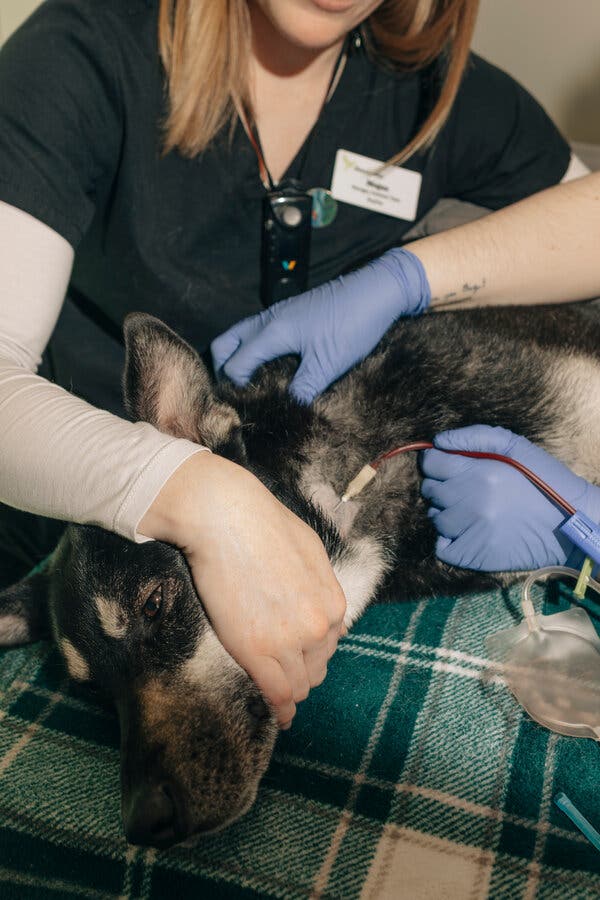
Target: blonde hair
[[205, 45]]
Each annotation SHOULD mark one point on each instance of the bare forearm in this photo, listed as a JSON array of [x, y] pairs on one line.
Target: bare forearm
[[541, 250]]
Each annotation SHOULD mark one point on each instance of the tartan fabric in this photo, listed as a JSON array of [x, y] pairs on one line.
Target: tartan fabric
[[410, 773]]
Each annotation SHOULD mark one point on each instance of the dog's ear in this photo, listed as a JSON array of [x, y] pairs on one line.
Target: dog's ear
[[167, 384], [24, 611]]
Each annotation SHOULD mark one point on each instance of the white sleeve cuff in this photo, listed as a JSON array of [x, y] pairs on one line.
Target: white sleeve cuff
[[148, 484]]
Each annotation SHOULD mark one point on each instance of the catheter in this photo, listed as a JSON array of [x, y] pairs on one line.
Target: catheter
[[551, 663]]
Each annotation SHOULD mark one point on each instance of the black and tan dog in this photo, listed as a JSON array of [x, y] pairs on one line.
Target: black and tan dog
[[196, 734]]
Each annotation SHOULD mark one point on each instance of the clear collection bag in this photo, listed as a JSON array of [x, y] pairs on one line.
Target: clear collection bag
[[552, 662]]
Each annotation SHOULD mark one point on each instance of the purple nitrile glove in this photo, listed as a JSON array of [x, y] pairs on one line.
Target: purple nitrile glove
[[332, 327], [488, 515]]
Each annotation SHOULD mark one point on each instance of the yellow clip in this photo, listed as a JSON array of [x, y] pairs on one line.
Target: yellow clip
[[584, 578]]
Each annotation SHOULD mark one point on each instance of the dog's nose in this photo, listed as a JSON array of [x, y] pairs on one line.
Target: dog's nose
[[152, 819]]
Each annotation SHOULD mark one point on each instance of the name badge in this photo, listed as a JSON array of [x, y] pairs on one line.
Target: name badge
[[393, 191]]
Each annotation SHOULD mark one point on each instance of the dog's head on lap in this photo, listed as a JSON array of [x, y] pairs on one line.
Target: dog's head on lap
[[196, 735]]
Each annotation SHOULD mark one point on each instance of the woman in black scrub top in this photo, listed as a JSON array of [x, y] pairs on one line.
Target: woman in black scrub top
[[146, 136]]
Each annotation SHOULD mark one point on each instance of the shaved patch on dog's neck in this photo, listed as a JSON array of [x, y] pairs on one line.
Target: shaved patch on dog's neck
[[111, 617], [76, 664]]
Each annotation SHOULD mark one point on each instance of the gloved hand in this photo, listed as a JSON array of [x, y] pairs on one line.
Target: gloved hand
[[488, 515], [332, 327]]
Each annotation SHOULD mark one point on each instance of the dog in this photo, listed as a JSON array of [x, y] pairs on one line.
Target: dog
[[196, 735]]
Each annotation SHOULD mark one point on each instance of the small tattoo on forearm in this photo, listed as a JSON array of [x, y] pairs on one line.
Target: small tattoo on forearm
[[454, 298]]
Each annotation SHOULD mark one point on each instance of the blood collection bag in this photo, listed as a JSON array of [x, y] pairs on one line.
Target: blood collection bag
[[552, 662]]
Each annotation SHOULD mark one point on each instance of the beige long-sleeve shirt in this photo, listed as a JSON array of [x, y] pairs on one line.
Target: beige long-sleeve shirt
[[59, 456]]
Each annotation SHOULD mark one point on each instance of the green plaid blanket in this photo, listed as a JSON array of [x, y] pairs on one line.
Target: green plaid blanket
[[410, 773]]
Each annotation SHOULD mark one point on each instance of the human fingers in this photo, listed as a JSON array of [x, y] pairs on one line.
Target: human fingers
[[441, 466], [337, 628], [271, 680], [225, 345], [334, 636], [295, 671], [313, 377], [265, 344], [477, 438], [442, 494], [457, 552], [430, 491], [315, 661], [452, 521]]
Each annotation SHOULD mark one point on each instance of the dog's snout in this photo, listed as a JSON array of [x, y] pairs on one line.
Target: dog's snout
[[153, 818]]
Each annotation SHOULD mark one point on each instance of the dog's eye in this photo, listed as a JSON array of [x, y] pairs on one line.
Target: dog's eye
[[152, 606]]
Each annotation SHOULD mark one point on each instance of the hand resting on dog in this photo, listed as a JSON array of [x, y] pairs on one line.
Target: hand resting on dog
[[285, 608]]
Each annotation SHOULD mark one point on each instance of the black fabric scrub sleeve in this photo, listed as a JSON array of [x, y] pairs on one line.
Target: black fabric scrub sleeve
[[60, 116], [501, 145]]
